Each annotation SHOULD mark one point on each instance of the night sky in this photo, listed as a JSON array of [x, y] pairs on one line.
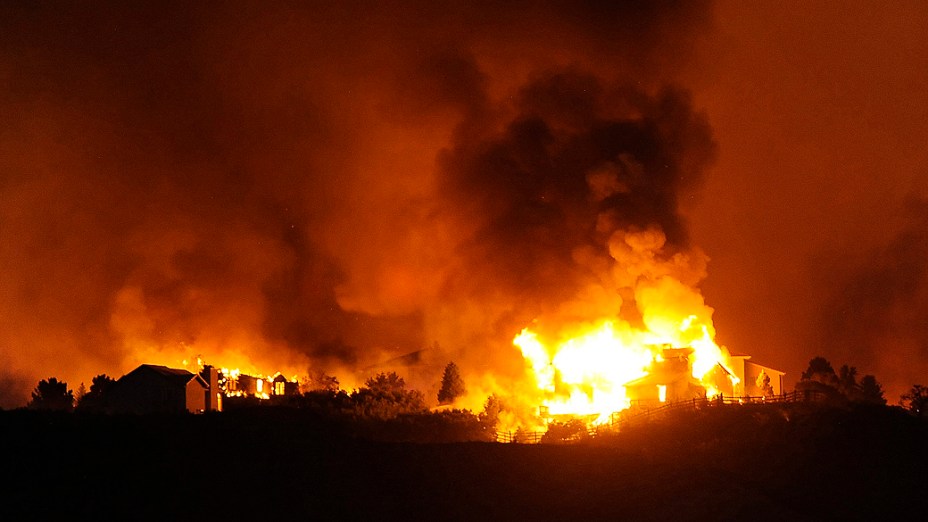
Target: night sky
[[327, 185]]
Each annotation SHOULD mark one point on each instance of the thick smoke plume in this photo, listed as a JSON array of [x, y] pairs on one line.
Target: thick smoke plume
[[324, 186]]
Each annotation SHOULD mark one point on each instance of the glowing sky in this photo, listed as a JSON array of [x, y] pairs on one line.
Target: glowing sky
[[329, 185]]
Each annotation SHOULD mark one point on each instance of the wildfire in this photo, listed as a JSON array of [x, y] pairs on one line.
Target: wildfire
[[603, 368], [651, 339]]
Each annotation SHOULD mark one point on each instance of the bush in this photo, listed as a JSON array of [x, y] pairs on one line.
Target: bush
[[574, 429]]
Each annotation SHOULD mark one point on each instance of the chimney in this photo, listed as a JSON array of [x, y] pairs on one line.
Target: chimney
[[213, 393]]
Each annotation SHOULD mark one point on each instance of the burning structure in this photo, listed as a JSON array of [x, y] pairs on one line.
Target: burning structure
[[597, 375], [233, 383], [641, 334], [754, 379], [450, 197], [670, 379], [153, 388]]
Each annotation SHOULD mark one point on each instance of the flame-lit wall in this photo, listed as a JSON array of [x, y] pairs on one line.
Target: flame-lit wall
[[748, 371], [752, 371], [196, 392]]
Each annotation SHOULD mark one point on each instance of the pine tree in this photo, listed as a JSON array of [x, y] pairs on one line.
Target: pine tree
[[452, 386], [871, 390]]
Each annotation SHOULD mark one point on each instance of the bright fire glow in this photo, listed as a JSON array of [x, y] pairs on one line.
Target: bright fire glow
[[600, 369], [236, 384], [642, 335]]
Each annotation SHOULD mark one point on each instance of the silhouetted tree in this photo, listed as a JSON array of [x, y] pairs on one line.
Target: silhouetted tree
[[821, 378], [97, 399], [385, 383], [574, 429], [489, 417], [820, 370], [871, 391], [847, 379], [327, 402], [321, 381], [916, 400], [452, 385], [385, 396], [820, 382], [52, 394], [491, 410]]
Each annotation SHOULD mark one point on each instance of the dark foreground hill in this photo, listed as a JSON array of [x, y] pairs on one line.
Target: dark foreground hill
[[753, 463]]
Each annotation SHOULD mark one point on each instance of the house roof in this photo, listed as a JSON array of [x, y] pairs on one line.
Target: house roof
[[766, 368], [172, 375]]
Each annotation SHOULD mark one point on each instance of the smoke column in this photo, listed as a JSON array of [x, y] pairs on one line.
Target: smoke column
[[328, 185]]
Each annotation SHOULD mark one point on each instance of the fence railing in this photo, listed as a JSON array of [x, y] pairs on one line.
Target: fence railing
[[643, 412], [523, 437]]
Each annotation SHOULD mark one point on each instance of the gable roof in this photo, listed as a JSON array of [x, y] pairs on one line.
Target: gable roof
[[766, 368], [169, 375]]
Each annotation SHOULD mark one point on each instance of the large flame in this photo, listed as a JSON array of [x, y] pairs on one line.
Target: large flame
[[588, 373], [665, 351]]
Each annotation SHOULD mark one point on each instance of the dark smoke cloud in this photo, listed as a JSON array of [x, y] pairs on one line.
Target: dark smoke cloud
[[322, 184], [527, 189], [575, 161]]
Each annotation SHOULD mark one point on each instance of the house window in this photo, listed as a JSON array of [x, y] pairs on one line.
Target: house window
[[662, 392], [279, 387]]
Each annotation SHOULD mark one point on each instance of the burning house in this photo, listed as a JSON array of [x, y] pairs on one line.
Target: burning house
[[280, 385], [671, 379], [159, 389], [233, 383], [608, 367]]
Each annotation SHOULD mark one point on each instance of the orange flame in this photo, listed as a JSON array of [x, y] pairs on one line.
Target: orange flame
[[664, 350], [588, 373]]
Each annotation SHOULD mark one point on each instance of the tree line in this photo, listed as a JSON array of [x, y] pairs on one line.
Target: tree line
[[385, 396], [384, 405], [843, 385]]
